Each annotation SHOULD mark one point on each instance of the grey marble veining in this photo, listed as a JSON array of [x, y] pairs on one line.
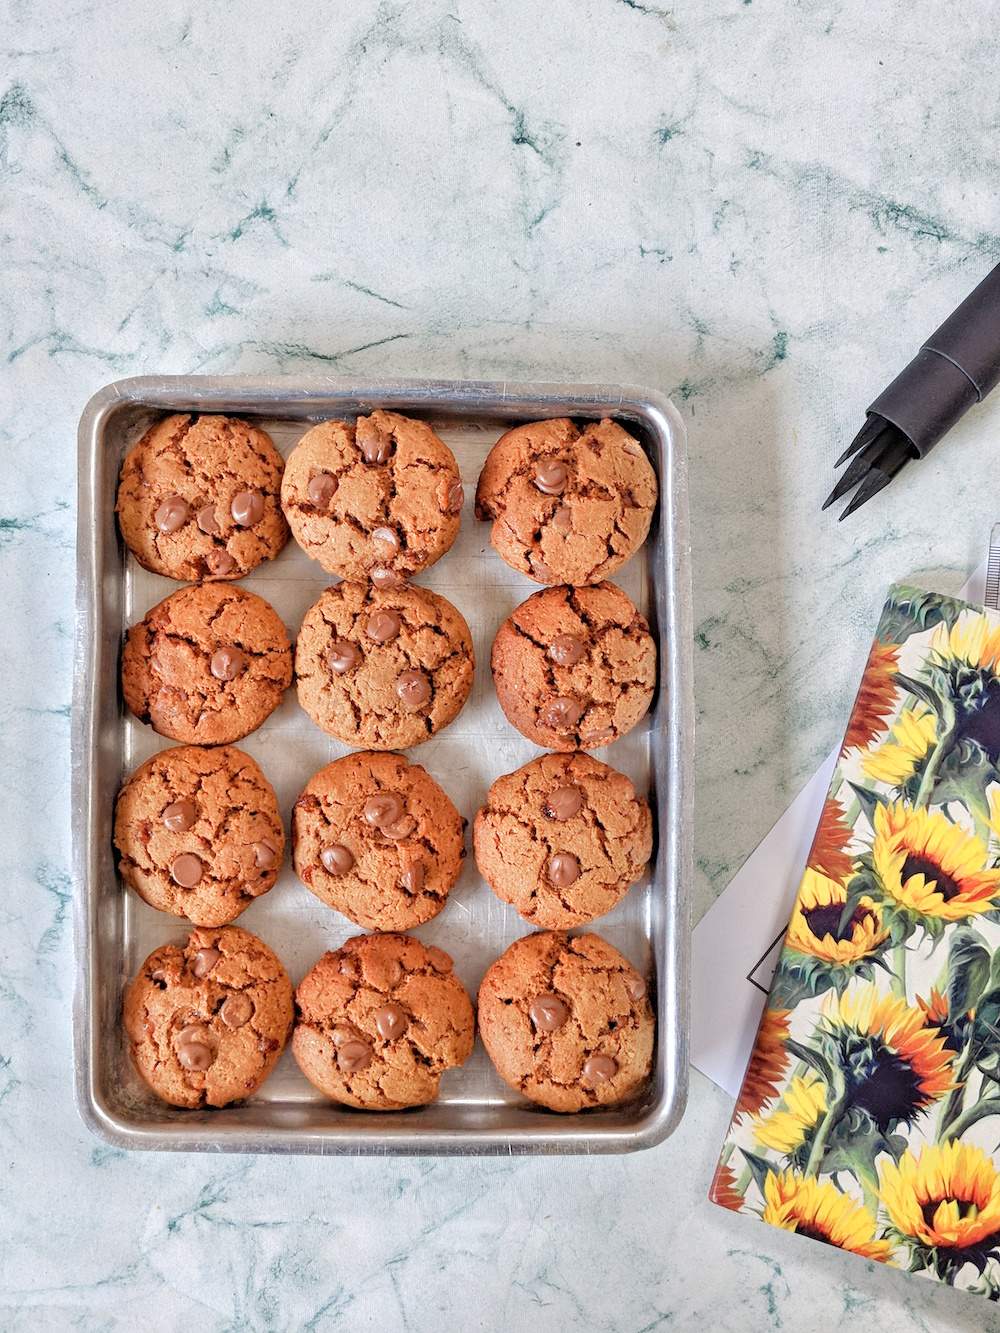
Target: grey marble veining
[[761, 206]]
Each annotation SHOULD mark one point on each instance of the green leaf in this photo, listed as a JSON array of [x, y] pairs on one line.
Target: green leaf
[[968, 971], [922, 691], [808, 1055], [760, 1169], [868, 800]]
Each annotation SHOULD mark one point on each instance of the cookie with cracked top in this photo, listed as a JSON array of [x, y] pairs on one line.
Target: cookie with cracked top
[[568, 506], [384, 669], [574, 668], [208, 1020], [375, 837], [199, 498], [199, 833], [379, 498], [207, 665], [567, 1022], [562, 839], [379, 1020]]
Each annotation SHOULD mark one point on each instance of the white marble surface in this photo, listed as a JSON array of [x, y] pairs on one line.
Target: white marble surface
[[759, 206]]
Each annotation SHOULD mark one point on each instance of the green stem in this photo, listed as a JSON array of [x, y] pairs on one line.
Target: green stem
[[743, 1184], [898, 983], [869, 1187], [955, 1098], [930, 775], [980, 1111], [838, 1104]]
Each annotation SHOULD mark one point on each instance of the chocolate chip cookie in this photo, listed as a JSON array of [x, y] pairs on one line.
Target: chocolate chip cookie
[[562, 839], [207, 1022], [200, 498], [199, 833], [380, 1020], [568, 506], [207, 665], [384, 669], [375, 837], [574, 667], [566, 1021], [374, 499]]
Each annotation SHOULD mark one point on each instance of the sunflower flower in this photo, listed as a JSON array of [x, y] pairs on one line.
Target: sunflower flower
[[895, 762], [802, 1103], [819, 1210], [768, 1063], [816, 927], [965, 665], [829, 853], [723, 1190], [930, 868], [876, 699], [946, 1201], [895, 1063], [935, 1010]]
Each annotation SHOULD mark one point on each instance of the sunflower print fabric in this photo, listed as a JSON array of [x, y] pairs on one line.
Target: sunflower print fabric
[[869, 1117]]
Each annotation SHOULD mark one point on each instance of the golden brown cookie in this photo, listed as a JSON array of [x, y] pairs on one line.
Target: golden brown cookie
[[207, 1022], [207, 665], [574, 668], [562, 839], [380, 1020], [200, 498], [383, 669], [566, 1021], [375, 837], [199, 833], [567, 506], [375, 499]]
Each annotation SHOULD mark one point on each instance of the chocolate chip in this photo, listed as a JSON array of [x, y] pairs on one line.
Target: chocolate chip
[[414, 690], [237, 1010], [374, 443], [561, 715], [265, 855], [204, 960], [562, 519], [220, 562], [548, 1012], [207, 521], [438, 959], [385, 808], [383, 577], [179, 816], [337, 858], [563, 870], [391, 1021], [399, 828], [343, 656], [598, 1069], [551, 476], [564, 803], [566, 650], [172, 514], [186, 870], [247, 508], [636, 988], [412, 878], [321, 489], [455, 498], [228, 663], [193, 1049], [386, 538], [383, 626], [354, 1055]]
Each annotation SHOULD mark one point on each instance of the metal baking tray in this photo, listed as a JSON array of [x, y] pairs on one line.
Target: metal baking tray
[[476, 1112]]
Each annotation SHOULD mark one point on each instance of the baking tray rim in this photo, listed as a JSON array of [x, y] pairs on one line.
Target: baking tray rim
[[517, 400]]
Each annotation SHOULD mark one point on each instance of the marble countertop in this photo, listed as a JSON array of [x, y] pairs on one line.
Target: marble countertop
[[760, 206]]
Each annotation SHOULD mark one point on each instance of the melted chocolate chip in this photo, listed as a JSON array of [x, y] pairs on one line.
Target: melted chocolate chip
[[204, 960], [563, 870], [562, 519], [566, 650], [551, 476], [438, 959], [193, 1049], [412, 878], [321, 489], [561, 715], [247, 508], [548, 1012], [343, 656], [237, 1010], [391, 1021], [383, 626], [598, 1069], [220, 562], [337, 858], [414, 690], [399, 828], [172, 514], [207, 521], [186, 870], [354, 1055], [179, 816], [455, 498], [265, 856], [564, 803], [228, 663], [374, 443], [386, 538], [383, 577], [636, 988], [383, 809]]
